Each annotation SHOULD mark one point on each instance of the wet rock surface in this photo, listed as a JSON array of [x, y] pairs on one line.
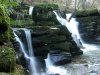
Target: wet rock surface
[[60, 58], [87, 64], [89, 29]]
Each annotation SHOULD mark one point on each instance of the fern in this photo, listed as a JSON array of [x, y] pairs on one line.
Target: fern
[[4, 14]]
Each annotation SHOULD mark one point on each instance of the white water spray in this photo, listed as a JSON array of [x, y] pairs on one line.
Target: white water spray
[[33, 62], [30, 10], [72, 26], [31, 57], [52, 69]]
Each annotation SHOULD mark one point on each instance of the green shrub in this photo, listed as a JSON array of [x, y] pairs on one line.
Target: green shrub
[[7, 59], [5, 27]]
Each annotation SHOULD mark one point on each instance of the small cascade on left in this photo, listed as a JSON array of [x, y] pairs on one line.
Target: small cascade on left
[[28, 52]]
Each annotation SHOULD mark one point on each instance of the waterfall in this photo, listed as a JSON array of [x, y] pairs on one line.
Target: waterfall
[[52, 69], [72, 26], [29, 57], [31, 10]]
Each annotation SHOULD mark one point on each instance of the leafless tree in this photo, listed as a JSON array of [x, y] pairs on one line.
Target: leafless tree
[[68, 4]]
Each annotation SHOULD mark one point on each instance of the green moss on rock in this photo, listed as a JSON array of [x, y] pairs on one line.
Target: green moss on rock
[[85, 13], [46, 5], [49, 39], [44, 12], [7, 59], [65, 46], [19, 70]]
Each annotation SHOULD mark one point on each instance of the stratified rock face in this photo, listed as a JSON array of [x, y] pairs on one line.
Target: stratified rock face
[[89, 28], [7, 59], [56, 38], [53, 38], [47, 36], [43, 14], [46, 39]]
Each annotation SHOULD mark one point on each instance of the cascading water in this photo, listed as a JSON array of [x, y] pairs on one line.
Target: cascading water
[[72, 26], [52, 69], [31, 10], [29, 57], [31, 54]]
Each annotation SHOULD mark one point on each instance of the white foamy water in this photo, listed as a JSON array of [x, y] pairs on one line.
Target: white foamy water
[[30, 10], [72, 26], [52, 69], [29, 57]]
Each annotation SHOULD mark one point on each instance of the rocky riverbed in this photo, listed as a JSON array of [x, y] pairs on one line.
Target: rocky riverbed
[[86, 64]]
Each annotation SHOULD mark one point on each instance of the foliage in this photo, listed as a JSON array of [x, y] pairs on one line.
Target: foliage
[[4, 15], [4, 11], [19, 70], [7, 58]]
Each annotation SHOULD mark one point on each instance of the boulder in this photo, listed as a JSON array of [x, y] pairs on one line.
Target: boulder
[[60, 58], [44, 13], [89, 28]]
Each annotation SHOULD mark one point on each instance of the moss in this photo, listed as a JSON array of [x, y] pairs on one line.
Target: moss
[[85, 13], [7, 36], [3, 20], [46, 5], [4, 73], [48, 39], [5, 29], [19, 70], [7, 59], [64, 46], [21, 23], [44, 12]]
